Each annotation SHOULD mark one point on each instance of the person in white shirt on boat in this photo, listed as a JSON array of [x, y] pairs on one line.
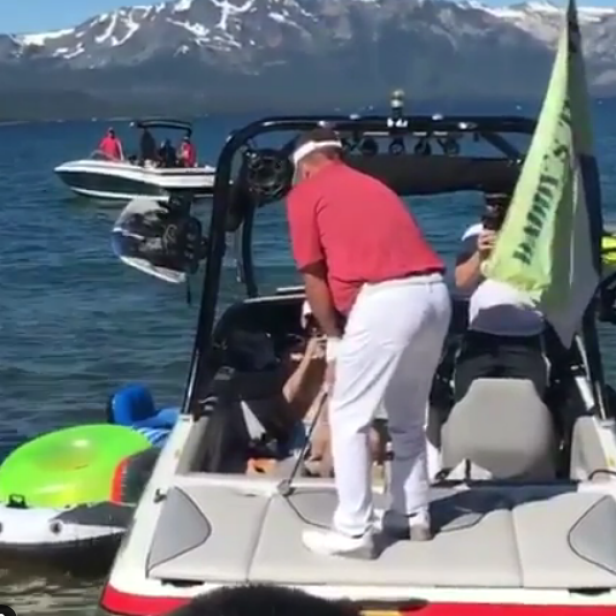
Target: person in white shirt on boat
[[505, 331]]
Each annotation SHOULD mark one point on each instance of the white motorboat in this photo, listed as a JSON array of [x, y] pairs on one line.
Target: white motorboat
[[525, 514], [524, 506], [99, 177]]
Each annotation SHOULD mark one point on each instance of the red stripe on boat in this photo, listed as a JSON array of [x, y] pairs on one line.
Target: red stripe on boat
[[117, 482], [124, 604]]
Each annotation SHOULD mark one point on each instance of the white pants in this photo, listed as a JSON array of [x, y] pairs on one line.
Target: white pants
[[388, 356]]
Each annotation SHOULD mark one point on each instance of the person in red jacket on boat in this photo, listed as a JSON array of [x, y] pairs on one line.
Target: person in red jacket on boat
[[188, 153], [364, 258], [111, 145]]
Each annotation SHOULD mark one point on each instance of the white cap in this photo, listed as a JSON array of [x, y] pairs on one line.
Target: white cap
[[314, 145]]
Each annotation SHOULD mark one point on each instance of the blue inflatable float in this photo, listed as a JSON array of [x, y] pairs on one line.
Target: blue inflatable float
[[133, 406]]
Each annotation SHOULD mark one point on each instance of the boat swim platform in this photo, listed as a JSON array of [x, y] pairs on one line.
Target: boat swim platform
[[217, 529]]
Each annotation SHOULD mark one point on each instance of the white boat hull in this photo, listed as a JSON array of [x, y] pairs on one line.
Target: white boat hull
[[237, 561], [75, 539], [123, 181], [502, 547]]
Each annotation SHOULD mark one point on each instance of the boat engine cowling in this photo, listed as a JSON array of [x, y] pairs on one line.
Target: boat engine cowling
[[162, 240]]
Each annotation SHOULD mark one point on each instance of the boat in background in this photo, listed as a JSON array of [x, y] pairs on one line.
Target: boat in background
[[99, 177]]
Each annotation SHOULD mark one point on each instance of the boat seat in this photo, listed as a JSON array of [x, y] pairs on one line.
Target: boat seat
[[503, 428], [589, 458]]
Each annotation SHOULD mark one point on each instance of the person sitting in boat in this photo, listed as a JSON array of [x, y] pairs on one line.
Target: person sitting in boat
[[302, 402], [111, 146], [313, 390], [505, 332], [188, 153], [147, 147], [270, 414], [303, 396], [167, 154], [133, 406]]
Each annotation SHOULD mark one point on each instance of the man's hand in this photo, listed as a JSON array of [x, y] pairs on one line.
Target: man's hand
[[485, 243], [315, 348]]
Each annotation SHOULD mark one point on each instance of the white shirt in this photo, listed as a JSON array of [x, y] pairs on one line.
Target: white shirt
[[496, 307]]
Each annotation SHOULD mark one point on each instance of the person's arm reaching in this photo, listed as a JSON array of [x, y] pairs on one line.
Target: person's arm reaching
[[320, 300], [295, 383], [476, 248], [322, 306], [468, 272], [306, 244]]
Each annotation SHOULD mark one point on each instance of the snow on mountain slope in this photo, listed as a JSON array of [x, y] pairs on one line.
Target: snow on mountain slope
[[239, 27], [543, 20], [192, 54]]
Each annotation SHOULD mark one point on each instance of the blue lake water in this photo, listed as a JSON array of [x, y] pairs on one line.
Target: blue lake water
[[75, 324]]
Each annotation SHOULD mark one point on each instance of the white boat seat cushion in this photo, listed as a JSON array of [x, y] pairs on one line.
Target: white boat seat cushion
[[540, 537], [589, 458], [502, 427]]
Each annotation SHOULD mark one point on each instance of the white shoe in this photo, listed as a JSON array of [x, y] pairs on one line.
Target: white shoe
[[420, 527], [416, 527], [334, 543]]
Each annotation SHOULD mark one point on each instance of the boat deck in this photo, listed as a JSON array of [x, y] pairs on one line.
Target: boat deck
[[498, 536]]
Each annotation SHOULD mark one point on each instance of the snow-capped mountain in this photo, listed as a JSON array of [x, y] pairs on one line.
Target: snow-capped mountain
[[239, 28], [434, 47]]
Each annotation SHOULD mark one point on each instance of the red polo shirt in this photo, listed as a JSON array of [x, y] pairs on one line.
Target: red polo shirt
[[111, 146], [188, 153], [359, 227]]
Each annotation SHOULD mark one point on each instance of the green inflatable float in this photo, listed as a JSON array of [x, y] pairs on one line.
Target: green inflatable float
[[69, 467]]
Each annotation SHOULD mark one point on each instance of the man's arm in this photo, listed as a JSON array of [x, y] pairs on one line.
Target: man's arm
[[295, 382], [468, 272], [320, 299], [476, 247], [302, 208]]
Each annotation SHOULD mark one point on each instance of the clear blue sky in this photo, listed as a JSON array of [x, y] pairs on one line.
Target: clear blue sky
[[17, 16]]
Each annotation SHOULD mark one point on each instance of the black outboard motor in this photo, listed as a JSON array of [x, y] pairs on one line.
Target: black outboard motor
[[159, 239]]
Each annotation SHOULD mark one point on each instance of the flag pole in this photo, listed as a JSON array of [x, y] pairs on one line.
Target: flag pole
[[592, 188]]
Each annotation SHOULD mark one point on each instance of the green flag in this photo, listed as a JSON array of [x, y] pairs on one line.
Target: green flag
[[549, 241]]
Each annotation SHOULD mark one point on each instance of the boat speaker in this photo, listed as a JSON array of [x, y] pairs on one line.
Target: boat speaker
[[268, 173], [450, 146], [159, 240]]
